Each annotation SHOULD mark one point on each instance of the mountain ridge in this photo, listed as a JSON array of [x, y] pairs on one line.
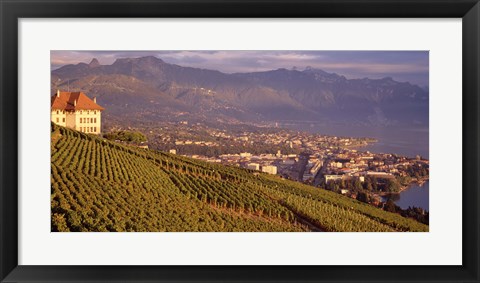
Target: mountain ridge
[[310, 94]]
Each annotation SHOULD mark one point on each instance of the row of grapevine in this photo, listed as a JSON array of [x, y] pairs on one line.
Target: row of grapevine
[[98, 185], [136, 196]]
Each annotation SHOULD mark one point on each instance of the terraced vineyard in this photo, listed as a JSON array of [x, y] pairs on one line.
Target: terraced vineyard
[[98, 185]]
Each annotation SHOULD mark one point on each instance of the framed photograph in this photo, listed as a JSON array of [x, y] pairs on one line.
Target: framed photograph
[[230, 141]]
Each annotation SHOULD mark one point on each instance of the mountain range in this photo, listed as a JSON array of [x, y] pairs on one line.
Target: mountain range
[[149, 88]]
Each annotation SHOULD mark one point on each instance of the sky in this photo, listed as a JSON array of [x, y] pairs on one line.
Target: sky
[[404, 66]]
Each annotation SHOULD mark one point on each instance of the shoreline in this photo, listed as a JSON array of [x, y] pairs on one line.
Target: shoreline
[[420, 183], [359, 146]]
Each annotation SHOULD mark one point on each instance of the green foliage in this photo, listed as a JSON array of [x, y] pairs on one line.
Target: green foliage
[[126, 136], [99, 185], [392, 186], [363, 197], [390, 206]]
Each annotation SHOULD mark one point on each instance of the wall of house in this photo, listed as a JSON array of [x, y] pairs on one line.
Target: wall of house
[[88, 121], [71, 119], [58, 117]]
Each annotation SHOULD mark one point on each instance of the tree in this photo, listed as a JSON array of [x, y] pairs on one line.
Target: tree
[[368, 186], [358, 185], [390, 206], [363, 197], [393, 186], [127, 136], [374, 183]]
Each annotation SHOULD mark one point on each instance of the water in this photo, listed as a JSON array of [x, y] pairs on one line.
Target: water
[[406, 141], [414, 196]]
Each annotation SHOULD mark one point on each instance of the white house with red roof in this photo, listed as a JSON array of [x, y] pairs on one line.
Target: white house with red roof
[[77, 111]]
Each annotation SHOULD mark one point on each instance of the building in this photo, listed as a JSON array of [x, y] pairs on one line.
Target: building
[[270, 169], [383, 175], [245, 154], [253, 166], [77, 111], [329, 178]]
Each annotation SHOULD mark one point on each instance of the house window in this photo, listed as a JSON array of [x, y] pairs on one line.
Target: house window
[[91, 120], [94, 120], [57, 120], [95, 112], [58, 112], [95, 129], [87, 130], [80, 111], [63, 112], [88, 112], [80, 120], [63, 120], [91, 129]]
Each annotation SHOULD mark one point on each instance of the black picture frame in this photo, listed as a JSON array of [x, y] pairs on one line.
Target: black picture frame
[[11, 11]]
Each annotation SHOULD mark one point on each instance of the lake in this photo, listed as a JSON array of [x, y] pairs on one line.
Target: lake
[[407, 141], [414, 196]]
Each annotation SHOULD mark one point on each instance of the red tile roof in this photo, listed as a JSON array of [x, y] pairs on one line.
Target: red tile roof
[[65, 100]]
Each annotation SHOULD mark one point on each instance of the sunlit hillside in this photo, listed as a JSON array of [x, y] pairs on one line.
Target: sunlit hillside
[[98, 185]]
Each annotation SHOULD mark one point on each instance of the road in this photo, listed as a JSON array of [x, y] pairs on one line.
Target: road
[[318, 179], [301, 165]]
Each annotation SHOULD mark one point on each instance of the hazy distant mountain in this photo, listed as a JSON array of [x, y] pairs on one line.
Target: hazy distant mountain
[[149, 88]]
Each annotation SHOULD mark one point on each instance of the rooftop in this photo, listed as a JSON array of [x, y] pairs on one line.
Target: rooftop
[[71, 101]]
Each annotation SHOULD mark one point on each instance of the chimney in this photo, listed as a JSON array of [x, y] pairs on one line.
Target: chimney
[[75, 102], [58, 93], [95, 99]]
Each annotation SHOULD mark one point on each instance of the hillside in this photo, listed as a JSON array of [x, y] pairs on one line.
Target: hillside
[[153, 89], [98, 185]]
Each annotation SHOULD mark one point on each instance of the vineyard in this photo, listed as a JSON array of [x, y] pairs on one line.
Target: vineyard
[[99, 185]]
